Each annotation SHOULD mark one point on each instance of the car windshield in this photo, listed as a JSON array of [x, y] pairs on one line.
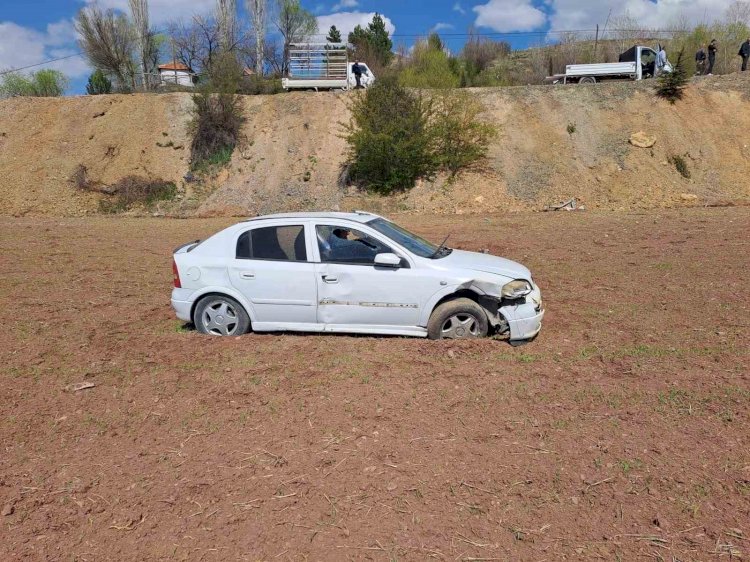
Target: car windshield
[[411, 242]]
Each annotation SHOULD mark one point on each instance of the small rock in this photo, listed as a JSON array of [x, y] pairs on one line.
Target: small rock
[[574, 499], [8, 509], [451, 354], [688, 197], [642, 140], [479, 199]]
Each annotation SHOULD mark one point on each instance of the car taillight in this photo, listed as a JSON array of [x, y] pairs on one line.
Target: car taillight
[[176, 275]]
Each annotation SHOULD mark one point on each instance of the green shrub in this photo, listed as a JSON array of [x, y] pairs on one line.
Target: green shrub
[[680, 165], [217, 117], [430, 66], [459, 136], [397, 136], [671, 85], [254, 85], [133, 190], [389, 138], [98, 84]]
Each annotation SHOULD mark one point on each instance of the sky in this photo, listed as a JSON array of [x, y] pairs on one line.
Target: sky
[[33, 31]]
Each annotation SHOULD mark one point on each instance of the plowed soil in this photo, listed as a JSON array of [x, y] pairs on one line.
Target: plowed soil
[[621, 433]]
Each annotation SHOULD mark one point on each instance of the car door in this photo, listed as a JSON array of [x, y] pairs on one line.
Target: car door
[[352, 291], [272, 270]]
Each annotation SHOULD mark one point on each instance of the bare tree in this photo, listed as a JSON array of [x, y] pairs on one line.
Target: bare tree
[[196, 44], [294, 23], [738, 13], [226, 16], [258, 11], [107, 41], [139, 13]]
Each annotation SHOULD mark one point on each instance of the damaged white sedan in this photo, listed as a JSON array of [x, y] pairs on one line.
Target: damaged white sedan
[[351, 273]]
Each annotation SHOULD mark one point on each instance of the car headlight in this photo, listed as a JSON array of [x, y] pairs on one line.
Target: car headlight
[[516, 289]]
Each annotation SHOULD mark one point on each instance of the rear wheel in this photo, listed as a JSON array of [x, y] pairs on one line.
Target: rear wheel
[[457, 319], [587, 80], [219, 315]]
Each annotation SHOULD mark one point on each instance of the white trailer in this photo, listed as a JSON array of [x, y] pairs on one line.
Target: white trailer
[[315, 66], [637, 63]]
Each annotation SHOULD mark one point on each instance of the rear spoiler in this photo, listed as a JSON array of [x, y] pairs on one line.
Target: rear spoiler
[[184, 248]]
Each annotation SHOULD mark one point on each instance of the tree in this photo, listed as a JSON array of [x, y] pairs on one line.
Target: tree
[[107, 41], [372, 44], [98, 84], [43, 83], [226, 15], [258, 10], [144, 39], [430, 66], [334, 35], [195, 44], [295, 24], [388, 137], [671, 85]]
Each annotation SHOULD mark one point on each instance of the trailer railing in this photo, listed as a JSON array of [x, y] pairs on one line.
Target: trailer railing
[[318, 61]]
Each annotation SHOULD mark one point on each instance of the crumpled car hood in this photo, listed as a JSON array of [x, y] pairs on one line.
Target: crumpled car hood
[[485, 263]]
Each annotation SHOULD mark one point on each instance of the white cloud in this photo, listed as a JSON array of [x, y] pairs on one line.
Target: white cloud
[[23, 46], [510, 15], [654, 14], [345, 22], [458, 8], [440, 26], [344, 4], [164, 11]]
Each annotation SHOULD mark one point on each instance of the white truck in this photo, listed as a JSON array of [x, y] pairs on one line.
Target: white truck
[[637, 63], [316, 66]]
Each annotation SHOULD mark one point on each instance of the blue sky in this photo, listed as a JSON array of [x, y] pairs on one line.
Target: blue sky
[[32, 31]]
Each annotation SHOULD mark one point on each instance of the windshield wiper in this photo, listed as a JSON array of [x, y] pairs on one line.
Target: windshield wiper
[[440, 248]]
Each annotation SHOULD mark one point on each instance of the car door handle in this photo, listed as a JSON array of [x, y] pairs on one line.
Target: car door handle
[[330, 278], [247, 275]]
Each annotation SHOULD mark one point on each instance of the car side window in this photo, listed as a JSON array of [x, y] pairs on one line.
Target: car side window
[[340, 244], [281, 243]]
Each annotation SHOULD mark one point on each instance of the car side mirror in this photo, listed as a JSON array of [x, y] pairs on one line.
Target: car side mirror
[[387, 260]]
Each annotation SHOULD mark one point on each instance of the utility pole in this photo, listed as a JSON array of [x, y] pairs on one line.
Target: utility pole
[[596, 41], [174, 62]]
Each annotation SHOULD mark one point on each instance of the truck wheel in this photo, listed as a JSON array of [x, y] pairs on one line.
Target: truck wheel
[[457, 319], [587, 80]]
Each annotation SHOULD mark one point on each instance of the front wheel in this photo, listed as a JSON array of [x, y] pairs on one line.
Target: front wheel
[[219, 315], [457, 319]]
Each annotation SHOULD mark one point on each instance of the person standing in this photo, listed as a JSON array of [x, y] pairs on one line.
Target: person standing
[[357, 70], [712, 48], [700, 61], [661, 61], [745, 54]]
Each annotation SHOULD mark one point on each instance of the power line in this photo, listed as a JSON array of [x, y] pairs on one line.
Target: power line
[[475, 34]]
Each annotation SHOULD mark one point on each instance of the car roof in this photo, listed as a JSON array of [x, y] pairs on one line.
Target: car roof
[[356, 216]]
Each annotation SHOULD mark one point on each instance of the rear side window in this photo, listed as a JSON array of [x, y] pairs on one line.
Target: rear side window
[[281, 243]]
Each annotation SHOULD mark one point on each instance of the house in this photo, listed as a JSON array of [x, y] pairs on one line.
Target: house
[[177, 73]]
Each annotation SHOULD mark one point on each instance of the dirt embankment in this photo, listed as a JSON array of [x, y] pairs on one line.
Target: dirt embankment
[[554, 143]]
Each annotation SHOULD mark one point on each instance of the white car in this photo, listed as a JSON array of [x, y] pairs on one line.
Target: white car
[[348, 272]]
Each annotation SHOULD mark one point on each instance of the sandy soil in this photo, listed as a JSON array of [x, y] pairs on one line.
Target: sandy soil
[[292, 154], [620, 434]]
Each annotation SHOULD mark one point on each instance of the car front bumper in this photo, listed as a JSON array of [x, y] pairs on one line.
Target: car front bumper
[[524, 320]]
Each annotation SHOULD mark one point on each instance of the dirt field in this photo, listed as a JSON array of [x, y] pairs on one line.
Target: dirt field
[[622, 433]]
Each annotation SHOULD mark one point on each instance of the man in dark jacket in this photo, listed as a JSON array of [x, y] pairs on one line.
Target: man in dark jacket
[[745, 54], [700, 61], [357, 70], [712, 48]]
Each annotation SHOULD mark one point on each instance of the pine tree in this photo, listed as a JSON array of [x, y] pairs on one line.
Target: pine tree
[[98, 84], [671, 85], [334, 35], [373, 43]]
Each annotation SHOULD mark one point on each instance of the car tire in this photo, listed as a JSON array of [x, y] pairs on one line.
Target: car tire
[[219, 315], [457, 319]]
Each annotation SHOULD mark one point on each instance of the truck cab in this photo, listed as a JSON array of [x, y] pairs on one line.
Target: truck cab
[[367, 76]]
